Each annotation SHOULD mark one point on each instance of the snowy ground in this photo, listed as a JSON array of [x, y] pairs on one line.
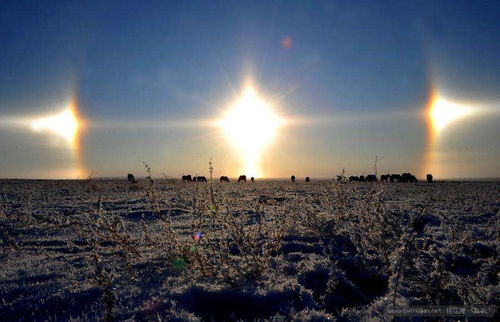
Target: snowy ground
[[109, 249]]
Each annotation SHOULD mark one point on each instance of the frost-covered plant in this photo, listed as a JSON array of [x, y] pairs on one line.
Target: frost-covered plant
[[232, 242], [241, 246], [104, 278], [233, 245], [169, 241], [359, 217], [399, 261], [376, 230], [327, 214], [236, 245]]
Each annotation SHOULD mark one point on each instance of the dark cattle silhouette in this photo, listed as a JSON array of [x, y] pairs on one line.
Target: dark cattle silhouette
[[292, 178], [408, 177], [131, 178], [340, 178], [362, 179], [201, 179], [385, 177], [242, 178], [429, 178], [371, 178], [395, 178], [353, 178], [252, 178], [308, 179], [187, 178], [224, 179]]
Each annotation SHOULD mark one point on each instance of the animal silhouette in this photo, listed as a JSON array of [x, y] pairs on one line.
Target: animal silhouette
[[408, 177], [131, 178], [308, 179], [187, 178], [292, 178], [201, 179], [395, 178], [224, 179], [242, 178], [405, 177], [429, 178], [252, 178]]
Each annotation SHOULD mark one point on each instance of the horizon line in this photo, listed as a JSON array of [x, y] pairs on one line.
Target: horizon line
[[217, 179]]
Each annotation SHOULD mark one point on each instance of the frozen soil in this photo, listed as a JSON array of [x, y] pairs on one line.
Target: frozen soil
[[269, 250]]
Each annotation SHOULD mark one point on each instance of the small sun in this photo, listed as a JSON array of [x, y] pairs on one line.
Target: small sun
[[64, 124], [444, 112]]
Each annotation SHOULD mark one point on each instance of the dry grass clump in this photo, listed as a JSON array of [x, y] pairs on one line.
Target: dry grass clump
[[236, 246], [228, 243], [344, 210]]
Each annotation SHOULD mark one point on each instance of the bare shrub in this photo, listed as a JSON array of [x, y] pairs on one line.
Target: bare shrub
[[236, 244]]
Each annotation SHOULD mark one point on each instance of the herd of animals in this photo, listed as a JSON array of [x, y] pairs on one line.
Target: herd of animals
[[405, 177]]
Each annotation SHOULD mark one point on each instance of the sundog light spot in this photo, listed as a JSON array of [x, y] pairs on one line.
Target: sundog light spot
[[66, 127], [443, 112], [64, 124], [250, 125]]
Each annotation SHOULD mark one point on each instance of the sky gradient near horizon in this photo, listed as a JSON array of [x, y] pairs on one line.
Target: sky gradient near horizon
[[148, 80]]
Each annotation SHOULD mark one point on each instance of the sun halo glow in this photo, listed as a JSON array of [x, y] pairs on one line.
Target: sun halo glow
[[64, 124], [443, 112], [250, 125]]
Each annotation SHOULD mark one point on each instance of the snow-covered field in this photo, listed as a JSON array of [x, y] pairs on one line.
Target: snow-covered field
[[110, 249]]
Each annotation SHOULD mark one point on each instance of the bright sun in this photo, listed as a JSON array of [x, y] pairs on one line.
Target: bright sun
[[64, 124], [250, 125], [443, 112]]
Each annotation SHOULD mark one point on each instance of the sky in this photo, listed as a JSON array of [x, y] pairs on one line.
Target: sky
[[99, 87]]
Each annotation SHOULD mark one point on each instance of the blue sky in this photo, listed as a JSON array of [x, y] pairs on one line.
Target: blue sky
[[144, 72]]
